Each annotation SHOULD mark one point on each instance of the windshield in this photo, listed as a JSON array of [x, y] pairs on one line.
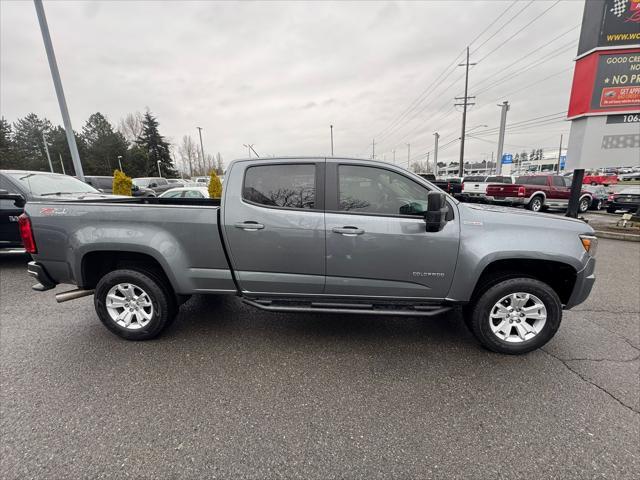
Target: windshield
[[40, 184]]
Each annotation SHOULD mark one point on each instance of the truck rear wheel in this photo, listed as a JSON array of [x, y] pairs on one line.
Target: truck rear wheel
[[536, 204], [516, 316], [584, 205], [134, 304]]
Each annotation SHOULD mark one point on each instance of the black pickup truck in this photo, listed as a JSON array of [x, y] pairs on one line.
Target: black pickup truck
[[453, 186]]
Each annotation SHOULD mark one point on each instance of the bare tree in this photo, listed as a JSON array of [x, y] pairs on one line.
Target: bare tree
[[219, 164], [188, 155], [131, 126]]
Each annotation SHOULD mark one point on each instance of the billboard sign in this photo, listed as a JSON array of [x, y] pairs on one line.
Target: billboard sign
[[507, 159], [609, 24], [617, 82]]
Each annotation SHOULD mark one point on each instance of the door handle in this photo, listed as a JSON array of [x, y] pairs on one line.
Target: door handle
[[348, 231], [249, 226]]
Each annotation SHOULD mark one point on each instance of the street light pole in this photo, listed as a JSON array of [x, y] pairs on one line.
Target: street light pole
[[57, 83], [120, 162], [331, 127], [62, 163], [204, 162], [46, 149], [408, 155], [503, 122], [159, 172], [435, 153]]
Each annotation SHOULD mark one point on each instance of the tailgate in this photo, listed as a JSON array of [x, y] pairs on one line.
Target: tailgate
[[502, 190], [479, 188]]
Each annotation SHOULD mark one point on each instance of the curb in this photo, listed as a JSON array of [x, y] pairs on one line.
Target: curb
[[628, 237]]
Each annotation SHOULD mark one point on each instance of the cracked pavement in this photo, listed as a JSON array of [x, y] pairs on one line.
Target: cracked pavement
[[232, 392]]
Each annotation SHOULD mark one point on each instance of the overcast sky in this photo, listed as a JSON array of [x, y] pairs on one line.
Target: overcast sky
[[278, 74]]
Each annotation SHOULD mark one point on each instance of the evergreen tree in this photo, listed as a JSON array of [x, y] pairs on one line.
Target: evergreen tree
[[155, 147], [28, 143], [533, 155], [103, 145], [8, 158]]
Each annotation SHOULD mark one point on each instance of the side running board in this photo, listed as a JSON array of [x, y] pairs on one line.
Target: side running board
[[297, 306]]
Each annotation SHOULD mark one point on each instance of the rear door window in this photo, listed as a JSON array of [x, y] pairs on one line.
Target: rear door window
[[281, 186], [532, 180]]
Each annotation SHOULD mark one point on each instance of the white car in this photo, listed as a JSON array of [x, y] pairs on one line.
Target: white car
[[186, 192]]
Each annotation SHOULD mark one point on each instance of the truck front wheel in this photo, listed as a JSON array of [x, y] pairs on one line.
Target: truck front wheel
[[134, 304], [516, 316]]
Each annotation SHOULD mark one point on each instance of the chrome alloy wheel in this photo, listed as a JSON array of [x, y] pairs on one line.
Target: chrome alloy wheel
[[129, 306], [517, 317]]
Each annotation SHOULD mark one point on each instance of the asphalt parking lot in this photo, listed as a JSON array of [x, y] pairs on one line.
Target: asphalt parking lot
[[231, 392]]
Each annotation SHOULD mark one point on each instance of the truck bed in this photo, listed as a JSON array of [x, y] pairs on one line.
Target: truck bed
[[181, 235]]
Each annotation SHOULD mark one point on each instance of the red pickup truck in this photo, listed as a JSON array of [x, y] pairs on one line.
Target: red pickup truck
[[538, 192], [595, 178]]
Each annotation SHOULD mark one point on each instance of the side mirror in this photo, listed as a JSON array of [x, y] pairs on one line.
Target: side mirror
[[153, 185], [18, 200], [135, 188], [436, 214]]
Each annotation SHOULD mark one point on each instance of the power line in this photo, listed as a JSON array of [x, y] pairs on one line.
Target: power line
[[505, 23], [385, 132], [533, 65], [503, 43], [526, 56], [494, 21]]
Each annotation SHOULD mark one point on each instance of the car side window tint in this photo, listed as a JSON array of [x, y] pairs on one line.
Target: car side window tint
[[193, 194], [558, 182], [173, 194], [284, 186], [379, 191]]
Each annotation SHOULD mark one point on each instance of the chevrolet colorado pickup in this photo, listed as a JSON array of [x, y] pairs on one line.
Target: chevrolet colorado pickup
[[538, 192], [326, 235]]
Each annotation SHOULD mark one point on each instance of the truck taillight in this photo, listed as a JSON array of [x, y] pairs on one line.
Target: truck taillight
[[521, 191], [24, 225]]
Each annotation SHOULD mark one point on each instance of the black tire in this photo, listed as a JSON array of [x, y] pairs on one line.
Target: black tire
[[479, 320], [161, 297], [598, 205], [611, 210], [584, 204], [536, 204]]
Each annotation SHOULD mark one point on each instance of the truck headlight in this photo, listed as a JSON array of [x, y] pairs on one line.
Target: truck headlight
[[590, 244]]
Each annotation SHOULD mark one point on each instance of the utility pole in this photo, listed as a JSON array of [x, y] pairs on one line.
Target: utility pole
[[331, 127], [251, 149], [503, 123], [46, 149], [204, 161], [465, 103], [408, 155], [435, 152], [62, 163], [57, 83], [427, 169], [373, 149], [559, 154], [394, 156]]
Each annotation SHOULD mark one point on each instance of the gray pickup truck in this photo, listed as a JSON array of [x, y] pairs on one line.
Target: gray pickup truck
[[327, 235]]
